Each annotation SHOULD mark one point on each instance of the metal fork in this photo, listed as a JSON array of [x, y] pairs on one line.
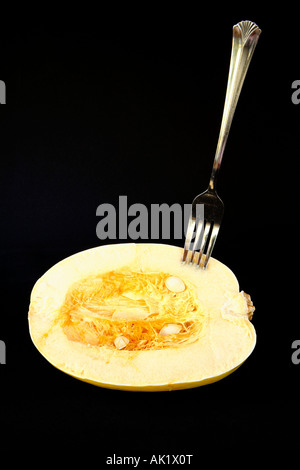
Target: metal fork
[[205, 227]]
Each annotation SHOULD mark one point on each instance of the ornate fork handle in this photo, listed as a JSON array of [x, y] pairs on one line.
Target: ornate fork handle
[[244, 39]]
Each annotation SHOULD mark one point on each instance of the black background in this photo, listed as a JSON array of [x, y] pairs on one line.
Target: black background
[[134, 109]]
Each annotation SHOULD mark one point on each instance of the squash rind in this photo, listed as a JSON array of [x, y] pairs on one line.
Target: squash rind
[[227, 344]]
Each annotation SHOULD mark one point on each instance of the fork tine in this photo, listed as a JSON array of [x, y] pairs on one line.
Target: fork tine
[[188, 238], [203, 241], [197, 238], [212, 240]]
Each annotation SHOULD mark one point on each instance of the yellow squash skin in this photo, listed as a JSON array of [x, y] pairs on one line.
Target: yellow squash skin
[[228, 341]]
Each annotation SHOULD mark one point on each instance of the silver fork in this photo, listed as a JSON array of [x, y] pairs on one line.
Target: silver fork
[[204, 228]]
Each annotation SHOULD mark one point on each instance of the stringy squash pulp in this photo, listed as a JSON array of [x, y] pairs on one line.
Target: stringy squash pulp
[[132, 316]]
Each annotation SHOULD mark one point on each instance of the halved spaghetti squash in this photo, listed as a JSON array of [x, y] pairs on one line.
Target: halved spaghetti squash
[[132, 316]]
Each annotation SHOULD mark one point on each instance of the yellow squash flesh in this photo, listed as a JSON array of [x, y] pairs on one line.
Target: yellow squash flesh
[[107, 316]]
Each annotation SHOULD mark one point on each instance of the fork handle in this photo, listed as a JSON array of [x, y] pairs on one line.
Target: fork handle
[[245, 36]]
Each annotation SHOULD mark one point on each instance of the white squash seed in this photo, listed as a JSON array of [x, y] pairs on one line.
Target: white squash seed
[[121, 342], [170, 329], [174, 284]]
